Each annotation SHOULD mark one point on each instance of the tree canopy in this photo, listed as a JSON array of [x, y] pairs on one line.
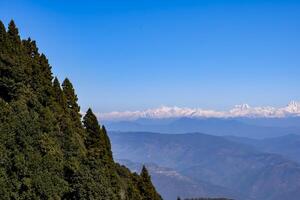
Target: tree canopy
[[46, 151]]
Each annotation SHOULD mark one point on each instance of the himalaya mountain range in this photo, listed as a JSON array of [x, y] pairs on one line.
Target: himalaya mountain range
[[241, 156], [244, 110]]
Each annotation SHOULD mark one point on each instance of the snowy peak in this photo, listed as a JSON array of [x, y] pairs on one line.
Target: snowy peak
[[293, 107], [243, 110], [242, 107]]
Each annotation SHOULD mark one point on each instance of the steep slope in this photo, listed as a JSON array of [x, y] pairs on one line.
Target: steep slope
[[215, 160], [46, 151]]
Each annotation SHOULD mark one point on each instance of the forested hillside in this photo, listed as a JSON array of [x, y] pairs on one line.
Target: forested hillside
[[46, 152]]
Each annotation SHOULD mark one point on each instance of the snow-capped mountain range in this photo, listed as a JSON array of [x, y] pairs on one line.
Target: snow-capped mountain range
[[243, 110]]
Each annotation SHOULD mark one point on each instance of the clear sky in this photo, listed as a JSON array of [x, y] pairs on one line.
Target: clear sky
[[133, 55]]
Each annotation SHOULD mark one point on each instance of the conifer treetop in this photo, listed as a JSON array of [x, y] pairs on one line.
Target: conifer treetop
[[13, 31], [145, 173], [2, 28]]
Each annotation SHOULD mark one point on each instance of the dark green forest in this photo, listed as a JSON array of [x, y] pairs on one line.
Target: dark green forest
[[47, 149]]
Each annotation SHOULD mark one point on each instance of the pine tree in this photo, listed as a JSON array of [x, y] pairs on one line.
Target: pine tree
[[93, 130], [145, 174], [147, 187], [98, 155], [42, 81], [107, 143], [70, 95], [58, 93], [46, 69], [13, 32], [2, 34], [4, 69], [11, 70], [30, 48], [71, 98]]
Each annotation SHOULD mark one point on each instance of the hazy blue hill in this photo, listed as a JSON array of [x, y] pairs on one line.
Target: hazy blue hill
[[288, 145], [272, 122], [215, 126], [216, 160], [171, 184], [174, 149]]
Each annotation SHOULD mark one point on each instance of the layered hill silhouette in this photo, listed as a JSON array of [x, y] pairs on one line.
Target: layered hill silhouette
[[46, 152], [172, 184], [287, 145], [248, 171], [243, 127]]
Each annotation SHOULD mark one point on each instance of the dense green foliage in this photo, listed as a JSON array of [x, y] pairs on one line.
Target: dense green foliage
[[46, 152]]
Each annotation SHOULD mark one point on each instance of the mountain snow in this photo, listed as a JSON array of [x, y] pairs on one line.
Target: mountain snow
[[244, 110]]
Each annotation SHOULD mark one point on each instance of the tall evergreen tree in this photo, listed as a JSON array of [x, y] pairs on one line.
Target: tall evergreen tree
[[2, 34], [13, 32], [46, 81], [98, 155], [107, 143], [93, 130], [145, 174], [11, 68], [58, 93], [97, 141], [30, 48], [4, 87], [71, 98], [147, 187]]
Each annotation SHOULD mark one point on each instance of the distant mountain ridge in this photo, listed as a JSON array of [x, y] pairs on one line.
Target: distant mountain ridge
[[287, 145], [243, 127], [215, 160], [243, 110], [171, 184]]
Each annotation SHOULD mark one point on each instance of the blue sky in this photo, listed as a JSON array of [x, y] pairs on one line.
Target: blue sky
[[133, 55]]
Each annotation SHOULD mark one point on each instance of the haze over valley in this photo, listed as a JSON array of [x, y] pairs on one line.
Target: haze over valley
[[243, 156]]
